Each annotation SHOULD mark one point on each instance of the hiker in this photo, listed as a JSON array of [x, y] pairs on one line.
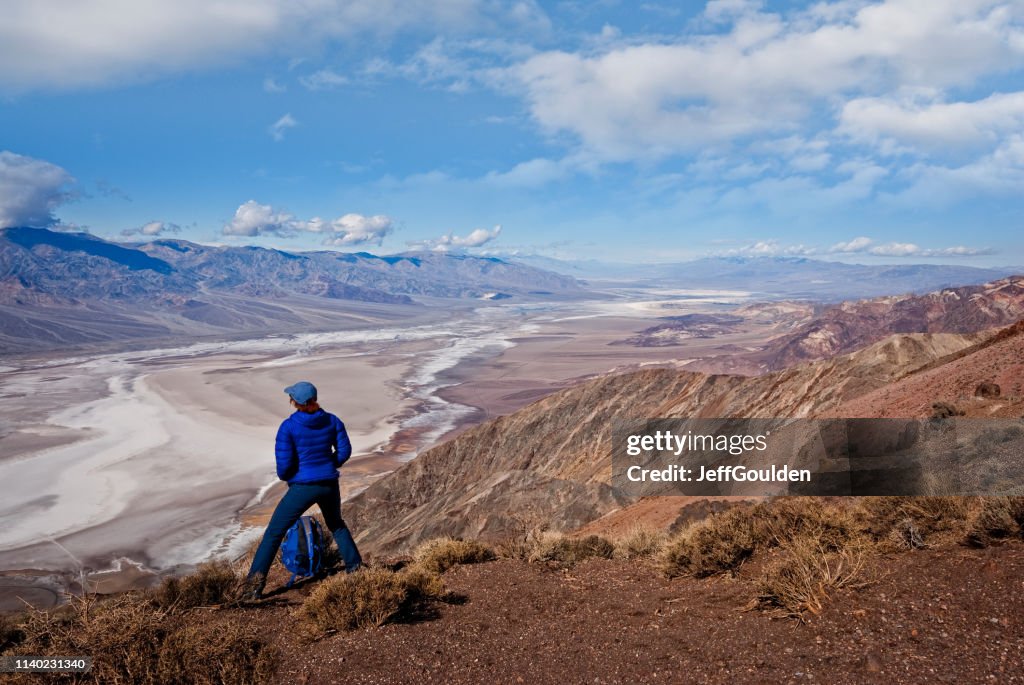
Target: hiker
[[311, 445]]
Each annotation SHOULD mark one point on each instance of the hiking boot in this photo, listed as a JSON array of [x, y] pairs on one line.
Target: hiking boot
[[252, 590]]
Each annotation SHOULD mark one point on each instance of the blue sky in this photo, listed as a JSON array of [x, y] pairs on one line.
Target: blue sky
[[863, 131]]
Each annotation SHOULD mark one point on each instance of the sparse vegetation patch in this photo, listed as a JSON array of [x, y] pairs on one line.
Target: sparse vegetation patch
[[369, 597], [993, 519], [640, 543], [722, 542], [804, 575], [440, 554], [563, 549], [134, 641], [211, 584]]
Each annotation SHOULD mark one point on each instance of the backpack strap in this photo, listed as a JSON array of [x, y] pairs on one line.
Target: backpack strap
[[307, 527]]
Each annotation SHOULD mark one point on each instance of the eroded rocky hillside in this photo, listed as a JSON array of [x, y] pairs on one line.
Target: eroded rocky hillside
[[549, 462], [852, 325]]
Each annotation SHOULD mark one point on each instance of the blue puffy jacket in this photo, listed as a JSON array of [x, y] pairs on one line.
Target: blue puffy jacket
[[311, 447]]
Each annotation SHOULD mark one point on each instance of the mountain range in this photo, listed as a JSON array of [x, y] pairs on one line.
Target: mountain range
[[777, 277], [548, 463], [852, 325], [61, 289]]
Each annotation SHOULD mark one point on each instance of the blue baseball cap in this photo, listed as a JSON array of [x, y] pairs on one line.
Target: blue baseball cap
[[302, 392]]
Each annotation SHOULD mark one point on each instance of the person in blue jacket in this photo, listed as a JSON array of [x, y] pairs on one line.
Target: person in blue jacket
[[311, 446]]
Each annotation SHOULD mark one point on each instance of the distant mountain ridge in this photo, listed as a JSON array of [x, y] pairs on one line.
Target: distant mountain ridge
[[258, 271], [59, 289], [784, 277], [852, 325], [263, 271]]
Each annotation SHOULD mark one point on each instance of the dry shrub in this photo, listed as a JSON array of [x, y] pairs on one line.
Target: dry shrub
[[889, 519], [368, 597], [805, 574], [214, 654], [717, 544], [210, 584], [567, 550], [11, 632], [440, 554], [133, 641], [831, 526], [945, 410], [424, 585], [906, 535], [523, 546], [995, 518], [722, 542], [123, 634], [514, 548], [639, 543]]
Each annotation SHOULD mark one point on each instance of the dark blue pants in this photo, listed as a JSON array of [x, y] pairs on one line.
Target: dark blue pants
[[299, 498]]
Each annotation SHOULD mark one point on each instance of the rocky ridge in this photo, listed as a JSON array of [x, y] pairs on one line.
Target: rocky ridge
[[548, 462]]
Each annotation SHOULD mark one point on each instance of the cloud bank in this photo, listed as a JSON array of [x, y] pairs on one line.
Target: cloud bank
[[31, 190], [152, 229], [772, 74], [856, 246], [55, 44], [253, 219], [449, 241]]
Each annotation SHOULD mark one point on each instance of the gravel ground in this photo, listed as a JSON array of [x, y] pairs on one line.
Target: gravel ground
[[931, 616]]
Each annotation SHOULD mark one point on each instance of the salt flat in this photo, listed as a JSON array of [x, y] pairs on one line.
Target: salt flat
[[161, 458], [159, 450]]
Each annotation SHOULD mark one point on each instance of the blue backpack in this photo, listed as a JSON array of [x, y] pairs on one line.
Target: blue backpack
[[302, 550]]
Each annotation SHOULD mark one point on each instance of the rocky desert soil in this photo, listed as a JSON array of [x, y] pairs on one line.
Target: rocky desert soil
[[928, 616]]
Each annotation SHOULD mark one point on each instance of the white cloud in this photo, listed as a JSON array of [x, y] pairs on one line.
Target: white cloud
[[912, 250], [476, 238], [766, 75], [895, 250], [30, 190], [452, 65], [769, 248], [532, 173], [278, 128], [859, 245], [324, 79], [353, 229], [856, 245], [152, 229], [270, 85], [726, 10], [933, 124], [60, 44], [997, 174], [253, 219]]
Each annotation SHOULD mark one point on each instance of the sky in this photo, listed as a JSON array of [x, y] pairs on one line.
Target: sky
[[886, 131]]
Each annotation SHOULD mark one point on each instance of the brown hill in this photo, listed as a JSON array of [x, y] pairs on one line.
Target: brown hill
[[852, 325], [996, 363], [548, 462]]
